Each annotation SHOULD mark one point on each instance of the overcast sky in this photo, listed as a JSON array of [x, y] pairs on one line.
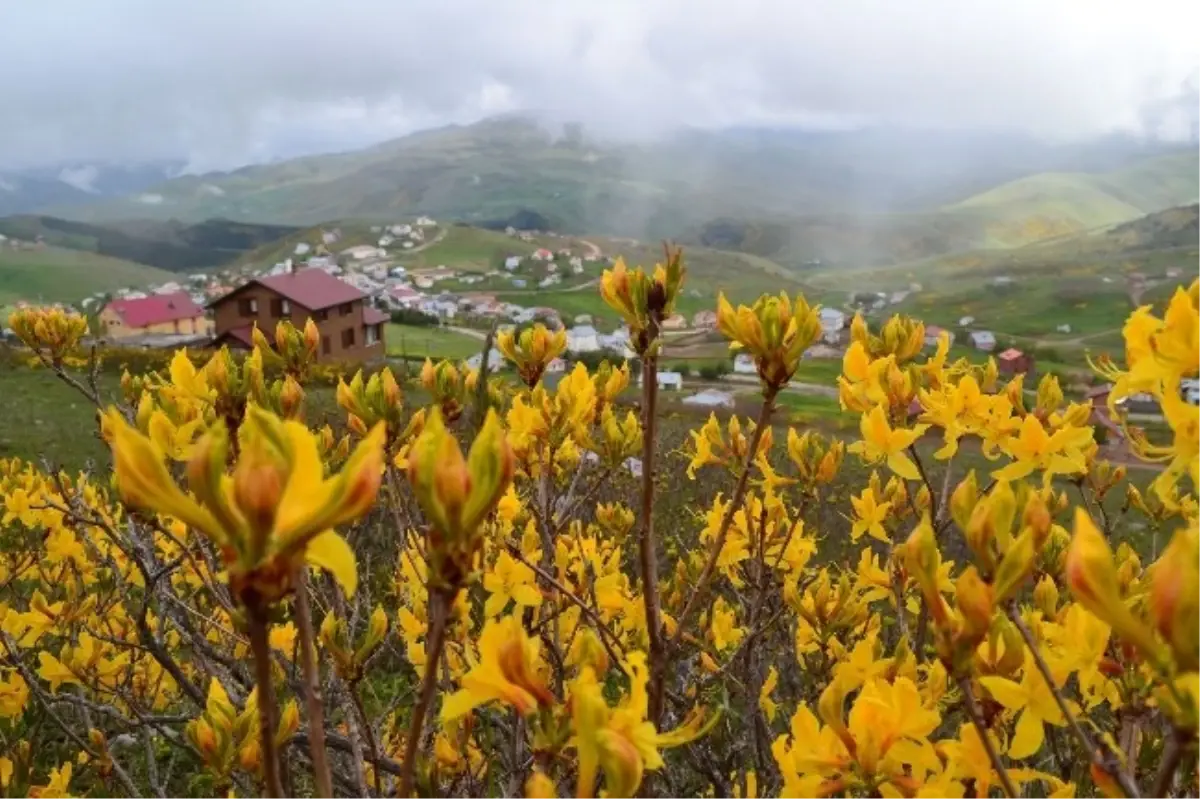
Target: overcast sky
[[227, 82]]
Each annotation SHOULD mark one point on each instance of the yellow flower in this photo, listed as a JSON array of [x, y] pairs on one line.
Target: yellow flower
[[59, 784], [774, 331], [510, 579], [621, 740], [275, 509], [457, 493], [14, 694], [882, 444], [768, 705], [532, 350], [641, 300], [1033, 448], [1035, 702], [1174, 594], [869, 515], [724, 628], [507, 672]]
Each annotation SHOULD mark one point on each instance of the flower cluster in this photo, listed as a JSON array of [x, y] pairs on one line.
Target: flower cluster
[[963, 597]]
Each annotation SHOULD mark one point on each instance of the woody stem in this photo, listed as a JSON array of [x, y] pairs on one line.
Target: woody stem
[[964, 684], [313, 702], [647, 555], [433, 654], [268, 713]]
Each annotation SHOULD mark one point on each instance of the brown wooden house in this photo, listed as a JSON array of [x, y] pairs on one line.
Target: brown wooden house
[[351, 330], [1014, 362]]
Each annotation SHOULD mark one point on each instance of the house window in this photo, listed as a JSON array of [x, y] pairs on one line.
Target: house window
[[325, 345], [348, 338], [372, 335], [248, 307], [345, 308], [321, 316], [280, 308]]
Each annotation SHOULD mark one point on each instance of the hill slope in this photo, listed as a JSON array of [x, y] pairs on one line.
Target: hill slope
[[170, 245], [54, 274], [491, 171]]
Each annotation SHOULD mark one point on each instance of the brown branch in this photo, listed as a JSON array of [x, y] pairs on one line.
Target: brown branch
[[964, 684], [268, 713], [434, 641], [647, 553], [1172, 754], [314, 703]]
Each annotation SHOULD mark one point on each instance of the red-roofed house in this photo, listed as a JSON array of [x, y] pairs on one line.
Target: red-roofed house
[[158, 314], [1014, 362], [350, 329]]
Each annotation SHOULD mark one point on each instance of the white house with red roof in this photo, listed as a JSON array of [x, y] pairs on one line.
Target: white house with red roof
[[162, 314]]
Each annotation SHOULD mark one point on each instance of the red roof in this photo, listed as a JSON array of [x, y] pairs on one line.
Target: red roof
[[156, 309], [374, 316], [313, 289], [1011, 354]]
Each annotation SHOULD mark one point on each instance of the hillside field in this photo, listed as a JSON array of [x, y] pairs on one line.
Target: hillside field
[[54, 274]]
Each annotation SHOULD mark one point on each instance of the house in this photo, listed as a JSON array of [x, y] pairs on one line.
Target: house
[[617, 342], [556, 366], [1014, 362], [542, 254], [983, 340], [670, 380], [675, 321], [435, 275], [401, 230], [350, 329], [833, 321], [302, 248], [404, 296], [331, 236], [744, 365], [582, 338], [1174, 272], [551, 268], [512, 262], [1063, 328], [519, 282], [1189, 388], [442, 309], [363, 252], [424, 282], [495, 361], [966, 321], [705, 320], [424, 221], [583, 319], [710, 398], [549, 280], [933, 333], [158, 314]]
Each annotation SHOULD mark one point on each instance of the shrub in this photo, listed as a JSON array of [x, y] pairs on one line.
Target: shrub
[[249, 604]]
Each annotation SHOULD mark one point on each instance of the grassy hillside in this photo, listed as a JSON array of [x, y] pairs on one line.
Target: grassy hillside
[[54, 274], [170, 245]]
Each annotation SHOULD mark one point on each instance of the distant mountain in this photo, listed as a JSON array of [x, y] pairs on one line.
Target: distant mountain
[[513, 168], [171, 245], [25, 190]]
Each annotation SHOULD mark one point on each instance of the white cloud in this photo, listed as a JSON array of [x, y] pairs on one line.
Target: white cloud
[[225, 82]]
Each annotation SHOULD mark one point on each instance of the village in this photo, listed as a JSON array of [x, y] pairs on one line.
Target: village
[[355, 292]]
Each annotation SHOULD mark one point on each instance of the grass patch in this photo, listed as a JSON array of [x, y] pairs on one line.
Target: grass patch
[[53, 274], [432, 342]]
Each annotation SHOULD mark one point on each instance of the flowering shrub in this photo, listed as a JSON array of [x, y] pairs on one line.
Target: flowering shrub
[[247, 604]]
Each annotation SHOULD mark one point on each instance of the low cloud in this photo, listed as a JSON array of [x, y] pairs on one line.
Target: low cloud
[[227, 82]]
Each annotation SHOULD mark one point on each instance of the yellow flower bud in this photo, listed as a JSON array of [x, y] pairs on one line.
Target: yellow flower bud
[[539, 786], [963, 500], [974, 599], [1174, 597], [1045, 596], [1015, 566], [1092, 578]]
